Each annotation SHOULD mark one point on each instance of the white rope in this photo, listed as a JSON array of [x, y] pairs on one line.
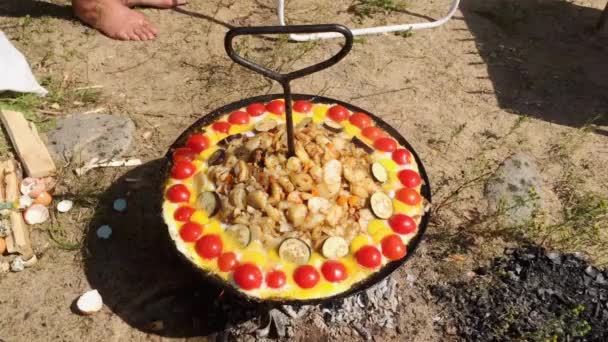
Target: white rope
[[368, 30]]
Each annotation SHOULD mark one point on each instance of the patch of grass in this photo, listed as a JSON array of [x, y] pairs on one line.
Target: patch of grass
[[562, 328], [405, 34], [368, 8]]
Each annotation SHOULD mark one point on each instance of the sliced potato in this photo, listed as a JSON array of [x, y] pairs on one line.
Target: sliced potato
[[294, 250], [209, 201], [332, 172], [265, 125], [334, 247], [381, 204], [240, 233], [379, 172]]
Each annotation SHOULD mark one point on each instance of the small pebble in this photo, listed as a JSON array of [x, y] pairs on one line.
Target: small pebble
[[4, 267], [55, 106], [120, 205], [104, 232], [146, 135], [65, 206], [17, 265]]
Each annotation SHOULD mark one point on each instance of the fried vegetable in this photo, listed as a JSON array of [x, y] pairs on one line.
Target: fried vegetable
[[209, 201], [265, 125], [302, 181], [240, 233], [228, 139], [359, 143], [296, 214], [381, 205], [333, 126], [218, 157], [294, 250], [334, 247], [257, 199], [332, 172], [379, 172]]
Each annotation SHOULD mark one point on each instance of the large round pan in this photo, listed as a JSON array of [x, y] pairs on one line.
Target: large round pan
[[284, 80], [361, 286]]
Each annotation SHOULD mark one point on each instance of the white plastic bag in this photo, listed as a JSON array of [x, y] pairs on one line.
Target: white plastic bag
[[15, 73]]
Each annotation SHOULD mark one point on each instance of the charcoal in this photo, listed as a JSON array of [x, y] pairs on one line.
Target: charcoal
[[529, 294]]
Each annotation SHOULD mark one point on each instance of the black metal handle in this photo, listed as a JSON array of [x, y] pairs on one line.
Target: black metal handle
[[285, 78], [241, 31]]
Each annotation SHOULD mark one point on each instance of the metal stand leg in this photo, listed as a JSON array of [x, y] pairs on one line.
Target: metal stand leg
[[369, 30]]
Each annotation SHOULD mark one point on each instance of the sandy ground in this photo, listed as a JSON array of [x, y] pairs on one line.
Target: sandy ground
[[497, 79]]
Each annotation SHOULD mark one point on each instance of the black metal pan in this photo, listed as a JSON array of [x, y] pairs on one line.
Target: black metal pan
[[284, 79]]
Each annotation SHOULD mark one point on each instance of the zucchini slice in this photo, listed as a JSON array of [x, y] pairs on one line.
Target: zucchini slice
[[334, 247], [240, 233], [381, 204], [333, 126], [218, 157], [210, 202], [295, 250], [361, 144], [379, 172]]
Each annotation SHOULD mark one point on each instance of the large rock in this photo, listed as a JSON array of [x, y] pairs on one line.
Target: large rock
[[515, 191], [80, 138]]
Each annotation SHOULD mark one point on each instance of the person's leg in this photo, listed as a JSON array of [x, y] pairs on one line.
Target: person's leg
[[116, 20]]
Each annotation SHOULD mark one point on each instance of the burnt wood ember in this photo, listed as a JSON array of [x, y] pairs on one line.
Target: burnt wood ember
[[530, 294]]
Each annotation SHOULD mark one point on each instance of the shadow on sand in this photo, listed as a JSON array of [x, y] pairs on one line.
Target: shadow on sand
[[543, 58], [138, 272]]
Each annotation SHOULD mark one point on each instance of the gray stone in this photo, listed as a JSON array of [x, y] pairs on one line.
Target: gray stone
[[515, 190], [80, 138]]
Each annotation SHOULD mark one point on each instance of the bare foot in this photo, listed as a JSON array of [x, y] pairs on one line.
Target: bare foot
[[155, 3], [115, 19]]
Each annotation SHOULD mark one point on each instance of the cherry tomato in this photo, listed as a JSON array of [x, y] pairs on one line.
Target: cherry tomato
[[409, 178], [238, 118], [302, 106], [182, 169], [276, 279], [183, 214], [306, 276], [408, 196], [191, 231], [221, 126], [369, 256], [385, 144], [184, 153], [178, 193], [209, 246], [372, 133], [360, 120], [338, 113], [198, 142], [256, 109], [276, 107], [401, 156], [402, 224], [334, 271], [393, 247], [227, 261], [248, 276]]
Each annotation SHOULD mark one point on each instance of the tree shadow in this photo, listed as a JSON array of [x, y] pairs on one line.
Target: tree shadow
[[35, 9], [138, 272], [543, 58]]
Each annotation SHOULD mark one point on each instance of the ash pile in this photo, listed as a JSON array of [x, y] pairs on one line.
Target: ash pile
[[530, 294], [358, 316]]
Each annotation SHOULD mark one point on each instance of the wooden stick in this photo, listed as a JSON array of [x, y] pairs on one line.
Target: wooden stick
[[33, 154], [19, 240]]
